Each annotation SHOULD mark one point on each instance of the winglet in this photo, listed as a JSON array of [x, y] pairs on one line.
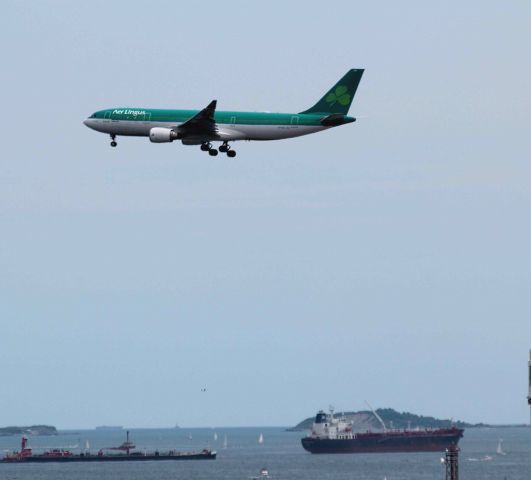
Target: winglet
[[211, 108], [201, 123]]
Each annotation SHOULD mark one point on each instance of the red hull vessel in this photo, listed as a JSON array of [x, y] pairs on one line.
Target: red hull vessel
[[26, 455], [331, 435]]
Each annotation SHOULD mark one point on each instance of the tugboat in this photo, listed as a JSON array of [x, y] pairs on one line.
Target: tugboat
[[334, 435], [127, 453]]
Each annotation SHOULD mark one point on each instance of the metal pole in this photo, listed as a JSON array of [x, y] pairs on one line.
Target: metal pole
[[529, 386], [451, 462]]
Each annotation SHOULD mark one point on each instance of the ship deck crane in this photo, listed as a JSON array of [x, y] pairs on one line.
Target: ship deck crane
[[377, 416]]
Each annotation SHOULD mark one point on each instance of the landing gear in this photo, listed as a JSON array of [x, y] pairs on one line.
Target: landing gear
[[113, 138], [207, 147], [224, 148]]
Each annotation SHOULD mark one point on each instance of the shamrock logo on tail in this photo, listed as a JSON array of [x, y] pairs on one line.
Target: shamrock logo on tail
[[339, 95]]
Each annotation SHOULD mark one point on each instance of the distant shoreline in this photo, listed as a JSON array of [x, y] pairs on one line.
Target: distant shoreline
[[366, 420], [509, 425], [15, 431], [34, 430]]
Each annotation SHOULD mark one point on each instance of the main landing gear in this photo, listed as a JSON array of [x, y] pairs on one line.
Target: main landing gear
[[113, 138], [223, 148], [207, 147]]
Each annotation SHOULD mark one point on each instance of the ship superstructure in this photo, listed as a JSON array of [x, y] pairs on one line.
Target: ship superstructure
[[331, 427]]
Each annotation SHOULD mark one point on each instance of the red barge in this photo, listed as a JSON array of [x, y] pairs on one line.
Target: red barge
[[126, 449]]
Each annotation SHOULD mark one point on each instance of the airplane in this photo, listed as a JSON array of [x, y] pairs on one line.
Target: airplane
[[202, 127]]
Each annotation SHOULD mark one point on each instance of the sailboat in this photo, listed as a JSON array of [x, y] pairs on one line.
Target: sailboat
[[215, 437], [499, 449], [87, 445], [225, 442], [261, 439]]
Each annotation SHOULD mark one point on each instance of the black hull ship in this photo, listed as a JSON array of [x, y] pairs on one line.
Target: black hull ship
[[335, 435], [126, 453]]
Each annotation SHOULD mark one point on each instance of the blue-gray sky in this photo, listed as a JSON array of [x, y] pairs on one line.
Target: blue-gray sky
[[386, 260]]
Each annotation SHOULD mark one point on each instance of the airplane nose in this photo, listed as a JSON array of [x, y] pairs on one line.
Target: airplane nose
[[89, 122]]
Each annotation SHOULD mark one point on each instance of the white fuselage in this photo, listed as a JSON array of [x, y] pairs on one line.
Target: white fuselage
[[226, 132]]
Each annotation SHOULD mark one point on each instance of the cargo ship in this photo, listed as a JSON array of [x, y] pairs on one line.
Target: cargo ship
[[332, 434], [126, 453]]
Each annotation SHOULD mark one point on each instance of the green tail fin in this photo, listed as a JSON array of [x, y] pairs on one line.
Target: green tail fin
[[339, 97]]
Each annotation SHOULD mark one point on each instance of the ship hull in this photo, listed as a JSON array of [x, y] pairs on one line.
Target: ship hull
[[385, 443], [112, 458]]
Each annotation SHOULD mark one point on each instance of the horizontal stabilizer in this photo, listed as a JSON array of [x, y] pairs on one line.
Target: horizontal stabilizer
[[336, 119]]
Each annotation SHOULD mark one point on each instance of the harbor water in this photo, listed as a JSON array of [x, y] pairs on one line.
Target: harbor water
[[281, 453]]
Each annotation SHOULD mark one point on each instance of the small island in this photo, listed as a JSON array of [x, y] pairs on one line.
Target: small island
[[30, 430], [366, 420]]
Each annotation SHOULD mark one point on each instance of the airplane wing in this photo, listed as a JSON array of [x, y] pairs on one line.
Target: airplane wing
[[202, 124]]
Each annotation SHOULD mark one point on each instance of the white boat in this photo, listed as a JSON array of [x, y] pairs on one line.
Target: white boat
[[264, 473], [215, 437], [225, 441], [499, 449], [261, 439]]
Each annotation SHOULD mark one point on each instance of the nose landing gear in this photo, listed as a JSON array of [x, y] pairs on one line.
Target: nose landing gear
[[113, 138]]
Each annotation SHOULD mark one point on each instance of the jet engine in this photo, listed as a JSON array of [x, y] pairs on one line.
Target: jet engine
[[162, 135]]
